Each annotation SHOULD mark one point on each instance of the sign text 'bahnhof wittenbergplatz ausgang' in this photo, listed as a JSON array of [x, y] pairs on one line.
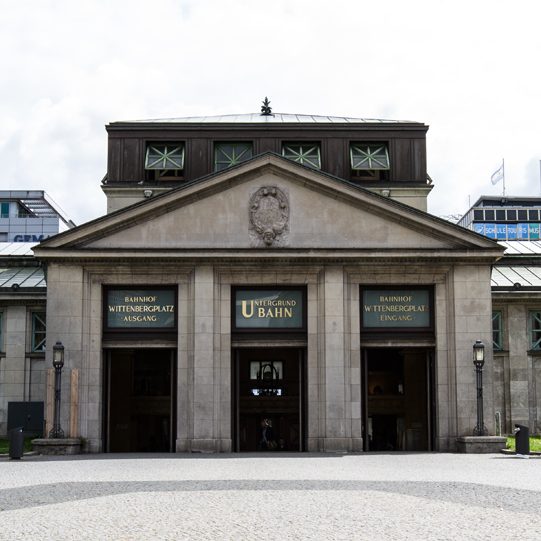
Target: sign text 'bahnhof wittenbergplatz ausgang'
[[141, 308], [269, 309], [396, 308]]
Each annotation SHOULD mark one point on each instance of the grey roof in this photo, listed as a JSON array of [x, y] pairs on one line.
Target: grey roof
[[527, 275], [521, 247], [252, 118], [16, 249], [23, 276], [508, 275]]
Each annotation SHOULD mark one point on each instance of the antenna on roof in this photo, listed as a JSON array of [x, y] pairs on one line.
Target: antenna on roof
[[266, 109]]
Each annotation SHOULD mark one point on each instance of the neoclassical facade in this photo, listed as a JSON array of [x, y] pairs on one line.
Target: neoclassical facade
[[282, 269]]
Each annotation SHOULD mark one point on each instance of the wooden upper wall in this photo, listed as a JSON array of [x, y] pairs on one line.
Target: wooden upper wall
[[406, 143]]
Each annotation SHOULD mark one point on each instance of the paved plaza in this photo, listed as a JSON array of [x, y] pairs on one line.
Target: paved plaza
[[270, 496]]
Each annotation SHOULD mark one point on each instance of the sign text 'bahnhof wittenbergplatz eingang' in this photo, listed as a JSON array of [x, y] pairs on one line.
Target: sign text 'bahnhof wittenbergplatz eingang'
[[396, 308]]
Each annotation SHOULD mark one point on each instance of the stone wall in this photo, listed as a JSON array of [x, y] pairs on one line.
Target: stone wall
[[517, 387], [333, 344], [22, 372]]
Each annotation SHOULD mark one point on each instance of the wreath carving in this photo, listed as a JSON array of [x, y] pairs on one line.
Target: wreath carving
[[269, 217]]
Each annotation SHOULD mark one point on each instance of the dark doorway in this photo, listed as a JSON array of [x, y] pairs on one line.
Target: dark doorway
[[397, 388], [269, 384], [140, 385]]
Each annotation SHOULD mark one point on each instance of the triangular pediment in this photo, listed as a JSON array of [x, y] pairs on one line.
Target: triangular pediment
[[300, 210]]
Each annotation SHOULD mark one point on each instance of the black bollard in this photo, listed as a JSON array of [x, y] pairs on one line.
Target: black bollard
[[522, 440], [16, 443]]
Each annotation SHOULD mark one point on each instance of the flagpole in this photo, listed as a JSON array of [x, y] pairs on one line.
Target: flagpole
[[503, 171]]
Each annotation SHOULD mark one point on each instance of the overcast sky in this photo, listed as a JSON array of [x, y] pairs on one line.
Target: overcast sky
[[468, 69]]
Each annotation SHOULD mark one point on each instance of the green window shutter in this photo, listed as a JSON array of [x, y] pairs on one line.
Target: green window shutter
[[497, 330], [230, 154], [4, 210], [368, 156], [306, 154], [169, 156], [39, 327], [535, 330]]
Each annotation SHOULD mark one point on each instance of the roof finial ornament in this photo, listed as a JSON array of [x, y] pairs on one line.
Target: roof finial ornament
[[266, 109]]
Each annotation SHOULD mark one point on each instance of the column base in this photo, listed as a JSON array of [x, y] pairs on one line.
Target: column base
[[335, 445], [480, 444], [203, 446], [57, 446]]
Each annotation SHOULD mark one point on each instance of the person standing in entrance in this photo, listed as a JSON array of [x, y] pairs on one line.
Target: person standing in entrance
[[282, 445], [267, 438]]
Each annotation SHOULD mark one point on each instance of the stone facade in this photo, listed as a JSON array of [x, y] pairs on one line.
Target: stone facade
[[22, 370], [517, 366], [197, 238]]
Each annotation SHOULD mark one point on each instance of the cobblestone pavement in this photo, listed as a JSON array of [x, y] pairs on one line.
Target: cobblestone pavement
[[287, 496]]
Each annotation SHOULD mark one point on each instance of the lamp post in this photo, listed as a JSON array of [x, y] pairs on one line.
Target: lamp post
[[58, 363], [479, 361]]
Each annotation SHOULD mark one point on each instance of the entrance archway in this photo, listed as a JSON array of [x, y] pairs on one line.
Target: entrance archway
[[269, 383], [398, 392], [140, 386]]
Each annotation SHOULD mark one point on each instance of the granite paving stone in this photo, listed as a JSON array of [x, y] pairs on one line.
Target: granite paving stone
[[129, 497]]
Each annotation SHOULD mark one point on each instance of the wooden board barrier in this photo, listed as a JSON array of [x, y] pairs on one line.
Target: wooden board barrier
[[49, 405], [74, 405]]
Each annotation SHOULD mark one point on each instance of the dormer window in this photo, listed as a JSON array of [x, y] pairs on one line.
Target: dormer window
[[369, 161], [164, 161], [230, 154], [304, 153]]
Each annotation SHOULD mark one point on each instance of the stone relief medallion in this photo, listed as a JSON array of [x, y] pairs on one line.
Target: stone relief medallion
[[269, 218]]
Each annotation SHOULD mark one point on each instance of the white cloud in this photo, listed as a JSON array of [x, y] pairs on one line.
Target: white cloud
[[465, 68]]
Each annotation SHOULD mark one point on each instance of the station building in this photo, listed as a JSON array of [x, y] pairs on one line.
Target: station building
[[23, 299], [30, 216], [26, 217], [516, 304], [270, 266]]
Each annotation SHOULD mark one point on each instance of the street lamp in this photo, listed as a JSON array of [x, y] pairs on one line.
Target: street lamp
[[58, 363], [479, 361]]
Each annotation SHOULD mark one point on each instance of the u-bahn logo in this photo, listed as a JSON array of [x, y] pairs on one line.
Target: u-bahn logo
[[268, 308]]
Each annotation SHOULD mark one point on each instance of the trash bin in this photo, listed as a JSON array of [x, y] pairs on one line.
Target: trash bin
[[16, 442], [522, 440]]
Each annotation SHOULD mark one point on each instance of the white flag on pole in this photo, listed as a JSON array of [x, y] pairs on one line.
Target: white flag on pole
[[497, 176]]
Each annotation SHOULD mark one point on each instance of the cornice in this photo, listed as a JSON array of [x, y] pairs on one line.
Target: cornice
[[512, 297], [352, 257], [14, 299], [133, 129]]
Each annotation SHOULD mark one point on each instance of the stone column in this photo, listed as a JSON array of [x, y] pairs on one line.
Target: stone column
[[473, 321], [519, 343], [65, 324], [337, 416], [204, 422], [445, 369], [12, 366], [184, 370], [315, 384], [223, 366], [353, 340]]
